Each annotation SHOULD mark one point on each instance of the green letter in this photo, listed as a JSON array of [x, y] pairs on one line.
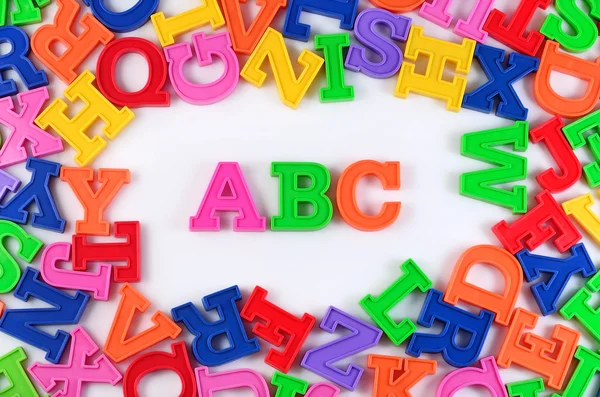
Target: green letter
[[292, 194], [479, 146], [332, 45]]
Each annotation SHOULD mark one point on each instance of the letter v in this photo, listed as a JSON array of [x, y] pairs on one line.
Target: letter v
[[118, 346], [245, 40]]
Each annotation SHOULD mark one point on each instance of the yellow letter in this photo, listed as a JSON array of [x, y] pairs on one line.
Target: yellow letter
[[168, 28], [432, 83], [74, 130], [580, 209], [291, 89]]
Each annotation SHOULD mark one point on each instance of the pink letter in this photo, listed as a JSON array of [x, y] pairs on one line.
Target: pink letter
[[96, 282], [228, 380], [22, 128], [204, 94], [73, 374], [240, 201], [472, 28], [487, 377]]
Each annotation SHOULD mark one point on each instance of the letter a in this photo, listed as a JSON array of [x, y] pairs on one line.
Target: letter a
[[228, 175]]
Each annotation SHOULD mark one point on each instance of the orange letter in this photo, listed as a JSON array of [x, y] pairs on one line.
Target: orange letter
[[94, 203], [245, 40], [556, 104], [397, 5], [77, 47], [507, 264], [389, 175], [547, 357], [395, 376], [118, 347]]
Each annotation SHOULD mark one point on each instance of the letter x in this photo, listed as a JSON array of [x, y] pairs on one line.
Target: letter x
[[500, 82]]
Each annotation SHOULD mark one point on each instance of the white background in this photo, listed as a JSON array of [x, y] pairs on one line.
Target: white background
[[172, 153]]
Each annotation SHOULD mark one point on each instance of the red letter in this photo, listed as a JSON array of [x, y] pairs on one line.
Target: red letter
[[152, 94]]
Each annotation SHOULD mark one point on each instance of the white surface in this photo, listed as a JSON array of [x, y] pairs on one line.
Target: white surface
[[172, 153]]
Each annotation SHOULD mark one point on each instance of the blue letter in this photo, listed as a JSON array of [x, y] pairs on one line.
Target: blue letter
[[36, 190], [229, 324], [344, 10], [17, 60], [500, 82], [125, 21], [455, 320], [21, 323], [547, 293]]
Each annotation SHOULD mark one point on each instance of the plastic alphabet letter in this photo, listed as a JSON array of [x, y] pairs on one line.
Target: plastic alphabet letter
[[152, 94], [525, 388], [118, 346], [511, 167], [95, 202], [228, 175], [77, 47], [126, 21], [11, 368], [500, 82], [77, 371], [277, 327], [21, 323], [176, 361], [512, 34], [584, 31], [580, 208], [547, 293], [397, 5], [487, 377], [578, 136], [388, 174], [291, 88], [321, 360], [169, 28], [502, 305], [228, 380], [551, 133], [292, 194], [472, 28], [36, 191], [589, 365], [553, 102], [128, 252], [378, 308], [578, 307], [547, 221], [26, 12], [74, 130], [548, 357], [388, 52], [218, 46], [332, 46], [440, 54], [394, 376], [288, 386], [16, 59], [344, 10], [97, 282], [245, 39], [229, 324], [455, 320], [23, 129], [10, 272]]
